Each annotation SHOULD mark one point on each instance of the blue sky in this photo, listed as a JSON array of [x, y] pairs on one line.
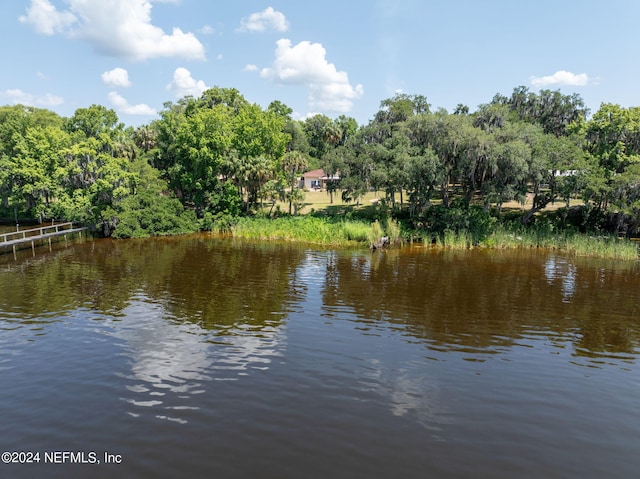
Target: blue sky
[[331, 57]]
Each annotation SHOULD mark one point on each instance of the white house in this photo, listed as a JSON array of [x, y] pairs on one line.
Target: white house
[[316, 180]]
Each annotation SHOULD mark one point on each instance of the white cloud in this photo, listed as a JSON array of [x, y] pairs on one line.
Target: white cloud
[[119, 28], [183, 84], [207, 30], [306, 64], [46, 19], [49, 100], [250, 68], [336, 97], [17, 96], [266, 19], [300, 117], [560, 78], [123, 106], [118, 77]]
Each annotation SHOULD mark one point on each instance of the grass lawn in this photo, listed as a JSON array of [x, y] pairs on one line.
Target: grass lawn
[[320, 200]]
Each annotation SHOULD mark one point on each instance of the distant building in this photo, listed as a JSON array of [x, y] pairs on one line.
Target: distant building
[[316, 180], [564, 172]]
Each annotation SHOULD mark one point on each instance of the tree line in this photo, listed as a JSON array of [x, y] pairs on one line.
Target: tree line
[[207, 160]]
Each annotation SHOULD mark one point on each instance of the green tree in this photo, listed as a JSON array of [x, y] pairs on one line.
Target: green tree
[[552, 110], [424, 170], [273, 191], [280, 109], [316, 128], [229, 97], [298, 138], [296, 197], [203, 143], [37, 168], [293, 162], [401, 107], [93, 121]]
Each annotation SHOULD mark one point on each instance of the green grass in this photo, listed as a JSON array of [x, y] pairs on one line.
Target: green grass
[[327, 225], [317, 230], [349, 232], [307, 229], [567, 242], [453, 240]]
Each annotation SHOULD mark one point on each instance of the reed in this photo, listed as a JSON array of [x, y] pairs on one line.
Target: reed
[[458, 240], [306, 229], [568, 242], [375, 233], [349, 232], [393, 230], [602, 247]]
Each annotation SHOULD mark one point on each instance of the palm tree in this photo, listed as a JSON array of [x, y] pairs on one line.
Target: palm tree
[[293, 162], [332, 134], [145, 138]]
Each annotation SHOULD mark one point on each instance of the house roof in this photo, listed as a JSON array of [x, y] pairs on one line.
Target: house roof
[[320, 174], [314, 173]]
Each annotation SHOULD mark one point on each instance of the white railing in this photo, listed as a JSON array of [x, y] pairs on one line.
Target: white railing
[[35, 232]]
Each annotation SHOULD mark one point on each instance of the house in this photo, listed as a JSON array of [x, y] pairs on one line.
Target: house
[[316, 180]]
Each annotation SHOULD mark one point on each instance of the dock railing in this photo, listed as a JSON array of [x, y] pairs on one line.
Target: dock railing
[[34, 233]]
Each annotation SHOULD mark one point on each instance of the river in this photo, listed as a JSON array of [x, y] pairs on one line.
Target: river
[[199, 356]]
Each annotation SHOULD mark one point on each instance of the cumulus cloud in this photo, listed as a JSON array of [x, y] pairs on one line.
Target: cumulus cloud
[[118, 77], [17, 96], [306, 64], [560, 78], [268, 19], [250, 68], [118, 28], [123, 106], [183, 84], [46, 19]]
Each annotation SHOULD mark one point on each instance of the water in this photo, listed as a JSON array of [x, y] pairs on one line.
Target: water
[[205, 357]]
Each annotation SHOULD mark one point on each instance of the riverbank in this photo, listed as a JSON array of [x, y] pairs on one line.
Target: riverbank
[[332, 231]]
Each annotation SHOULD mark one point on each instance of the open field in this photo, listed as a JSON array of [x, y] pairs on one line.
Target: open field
[[316, 200]]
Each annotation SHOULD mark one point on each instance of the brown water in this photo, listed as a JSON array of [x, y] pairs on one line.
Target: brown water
[[204, 357]]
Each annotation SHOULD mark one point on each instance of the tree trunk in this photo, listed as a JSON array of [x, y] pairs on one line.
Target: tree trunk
[[445, 194], [293, 181]]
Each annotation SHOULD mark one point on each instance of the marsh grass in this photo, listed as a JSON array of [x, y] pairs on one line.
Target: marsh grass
[[602, 247], [307, 229], [568, 242], [457, 240], [376, 232], [393, 230], [318, 230], [341, 231]]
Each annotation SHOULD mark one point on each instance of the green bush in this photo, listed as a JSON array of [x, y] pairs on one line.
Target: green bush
[[471, 222], [149, 214]]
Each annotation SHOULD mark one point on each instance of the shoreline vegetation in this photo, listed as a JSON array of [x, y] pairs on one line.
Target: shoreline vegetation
[[321, 222], [529, 170], [359, 233]]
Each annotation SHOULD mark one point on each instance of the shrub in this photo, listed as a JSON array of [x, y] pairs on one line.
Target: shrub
[[148, 214]]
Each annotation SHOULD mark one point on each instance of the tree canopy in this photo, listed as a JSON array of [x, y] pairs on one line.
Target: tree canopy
[[206, 160]]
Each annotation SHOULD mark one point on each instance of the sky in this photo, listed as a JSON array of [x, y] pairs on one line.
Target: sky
[[335, 57]]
